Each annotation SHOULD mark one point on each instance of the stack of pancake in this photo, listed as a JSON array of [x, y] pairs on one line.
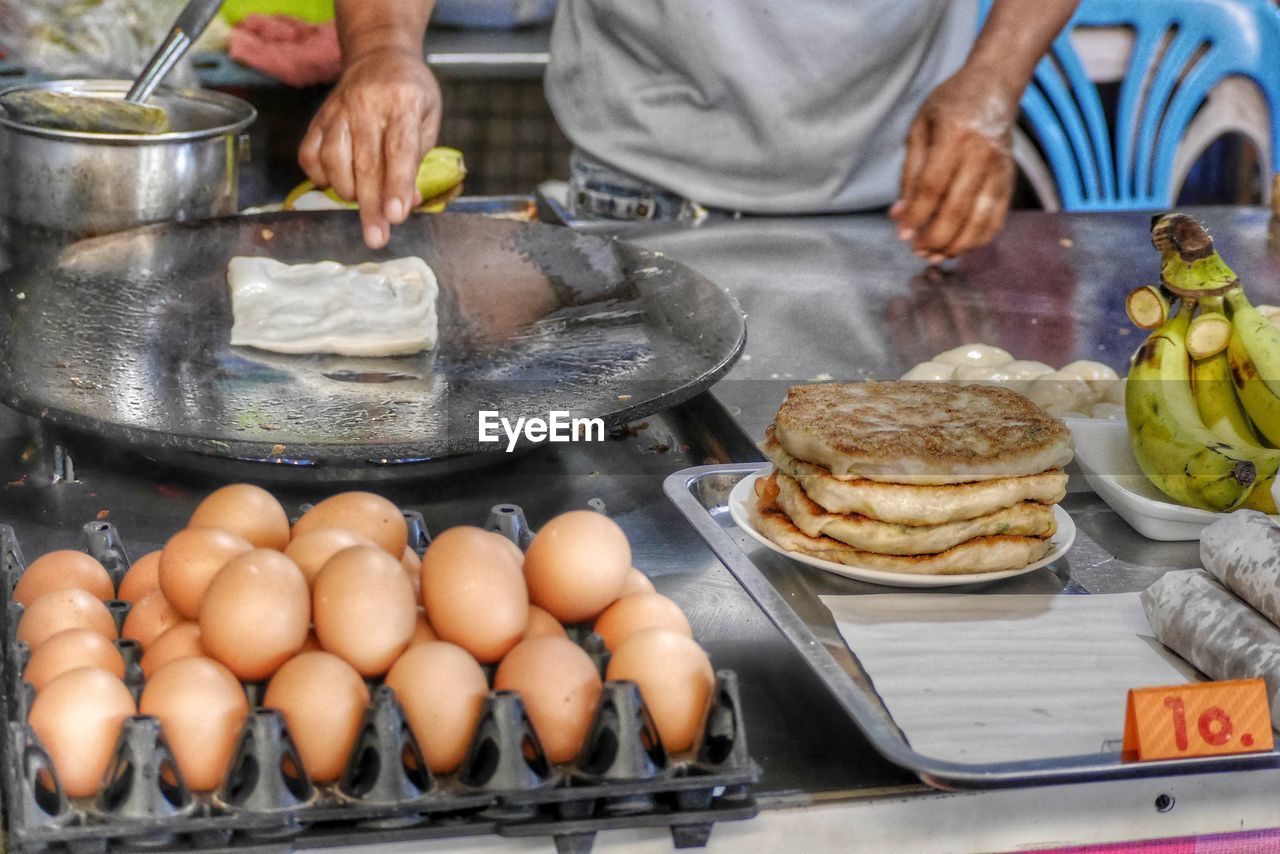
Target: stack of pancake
[[913, 477]]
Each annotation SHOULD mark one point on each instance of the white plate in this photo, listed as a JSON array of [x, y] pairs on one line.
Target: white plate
[[744, 493], [1104, 457]]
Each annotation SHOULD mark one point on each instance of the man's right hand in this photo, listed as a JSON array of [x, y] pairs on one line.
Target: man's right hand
[[371, 133]]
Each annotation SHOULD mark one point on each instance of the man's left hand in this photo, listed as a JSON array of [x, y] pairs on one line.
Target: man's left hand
[[958, 174]]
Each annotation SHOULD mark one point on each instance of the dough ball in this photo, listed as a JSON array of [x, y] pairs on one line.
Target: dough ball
[[930, 371], [1059, 393], [982, 355], [1097, 375]]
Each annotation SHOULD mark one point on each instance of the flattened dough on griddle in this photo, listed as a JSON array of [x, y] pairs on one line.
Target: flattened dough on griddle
[[1027, 519], [920, 432], [1224, 638], [385, 308], [914, 504], [984, 554], [1242, 551]]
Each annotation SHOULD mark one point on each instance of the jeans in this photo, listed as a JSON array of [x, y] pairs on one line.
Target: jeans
[[598, 191]]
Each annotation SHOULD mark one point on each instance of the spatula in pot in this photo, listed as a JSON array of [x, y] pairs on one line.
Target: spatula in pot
[[52, 109]]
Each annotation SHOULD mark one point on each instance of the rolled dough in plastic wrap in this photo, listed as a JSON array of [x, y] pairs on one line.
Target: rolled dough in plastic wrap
[[1198, 618], [1242, 551]]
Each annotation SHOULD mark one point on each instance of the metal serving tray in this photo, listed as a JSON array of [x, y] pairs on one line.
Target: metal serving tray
[[788, 594]]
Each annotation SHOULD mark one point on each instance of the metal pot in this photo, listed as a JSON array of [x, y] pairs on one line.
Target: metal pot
[[82, 184]]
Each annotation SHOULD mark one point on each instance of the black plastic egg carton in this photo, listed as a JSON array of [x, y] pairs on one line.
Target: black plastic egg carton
[[622, 779]]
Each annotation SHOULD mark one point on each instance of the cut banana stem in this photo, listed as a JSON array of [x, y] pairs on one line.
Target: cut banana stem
[[1189, 264], [1147, 307], [1209, 331]]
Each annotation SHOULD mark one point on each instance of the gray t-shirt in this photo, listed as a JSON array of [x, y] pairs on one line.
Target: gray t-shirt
[[767, 106]]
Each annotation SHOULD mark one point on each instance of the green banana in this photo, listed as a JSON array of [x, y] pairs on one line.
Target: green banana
[[1254, 355], [439, 181], [441, 170], [1223, 413], [1219, 405], [1174, 448], [1215, 393]]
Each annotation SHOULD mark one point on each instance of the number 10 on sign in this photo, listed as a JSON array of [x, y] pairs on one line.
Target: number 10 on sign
[[1205, 719]]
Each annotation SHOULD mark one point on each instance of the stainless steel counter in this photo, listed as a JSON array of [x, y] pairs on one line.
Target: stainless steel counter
[[840, 298], [827, 298]]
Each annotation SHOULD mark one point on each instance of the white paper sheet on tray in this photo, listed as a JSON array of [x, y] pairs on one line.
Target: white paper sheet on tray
[[1001, 678]]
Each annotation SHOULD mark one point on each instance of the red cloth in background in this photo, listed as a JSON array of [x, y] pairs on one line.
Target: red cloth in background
[[292, 51]]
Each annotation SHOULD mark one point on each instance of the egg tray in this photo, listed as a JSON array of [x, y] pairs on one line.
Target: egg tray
[[623, 777]]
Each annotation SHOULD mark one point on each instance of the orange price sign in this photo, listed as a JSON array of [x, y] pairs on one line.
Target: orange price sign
[[1200, 719]]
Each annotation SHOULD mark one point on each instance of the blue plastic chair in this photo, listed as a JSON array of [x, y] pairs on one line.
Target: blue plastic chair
[[1182, 49]]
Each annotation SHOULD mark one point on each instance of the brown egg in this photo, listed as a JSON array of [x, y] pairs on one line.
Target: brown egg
[[636, 582], [64, 609], [254, 615], [364, 609], [637, 612], [413, 568], [543, 625], [69, 650], [313, 549], [422, 631], [142, 577], [675, 679], [77, 718], [560, 687], [323, 700], [245, 510], [149, 618], [511, 548], [442, 690], [190, 560], [363, 512], [201, 708], [576, 565], [179, 641], [474, 592], [63, 570]]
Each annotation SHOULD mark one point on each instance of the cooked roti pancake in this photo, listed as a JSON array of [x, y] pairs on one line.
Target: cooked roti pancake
[[983, 554], [1027, 519], [920, 432], [914, 504]]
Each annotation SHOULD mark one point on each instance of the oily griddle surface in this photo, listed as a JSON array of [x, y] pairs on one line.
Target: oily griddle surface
[[125, 336]]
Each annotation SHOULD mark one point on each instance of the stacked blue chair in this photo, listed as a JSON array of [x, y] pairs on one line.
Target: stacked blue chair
[[1182, 49]]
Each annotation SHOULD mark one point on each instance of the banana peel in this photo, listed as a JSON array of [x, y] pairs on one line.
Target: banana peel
[[439, 181]]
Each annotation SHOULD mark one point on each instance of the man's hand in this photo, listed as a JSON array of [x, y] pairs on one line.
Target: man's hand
[[958, 174], [369, 136]]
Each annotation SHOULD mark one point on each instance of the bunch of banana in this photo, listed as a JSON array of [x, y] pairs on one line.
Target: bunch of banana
[[1203, 394], [439, 181]]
